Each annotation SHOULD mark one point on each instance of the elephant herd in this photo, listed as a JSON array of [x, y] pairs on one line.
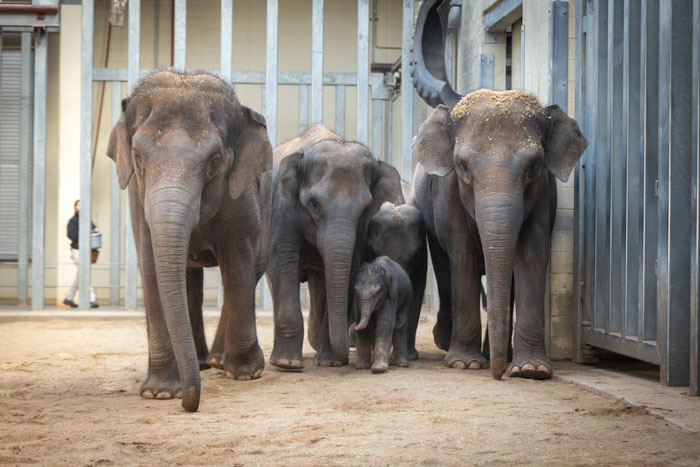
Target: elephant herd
[[207, 189]]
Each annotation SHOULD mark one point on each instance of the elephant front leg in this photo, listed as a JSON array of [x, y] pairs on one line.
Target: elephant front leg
[[363, 348], [383, 336], [418, 281], [289, 322], [325, 356], [442, 331], [465, 346], [530, 266], [216, 354], [195, 282], [401, 352]]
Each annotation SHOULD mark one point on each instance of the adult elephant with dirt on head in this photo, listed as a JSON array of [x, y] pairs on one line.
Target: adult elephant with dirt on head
[[196, 163], [324, 192]]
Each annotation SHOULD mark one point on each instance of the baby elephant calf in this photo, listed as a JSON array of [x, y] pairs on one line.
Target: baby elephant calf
[[382, 298]]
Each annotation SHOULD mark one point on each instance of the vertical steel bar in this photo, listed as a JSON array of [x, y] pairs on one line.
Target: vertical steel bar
[[694, 389], [388, 131], [340, 110], [225, 62], [303, 108], [180, 35], [649, 122], [39, 169], [134, 68], [579, 195], [522, 54], [317, 62], [675, 70], [406, 91], [363, 71], [271, 71], [86, 153], [617, 162], [377, 128], [631, 131], [115, 209], [156, 34], [558, 53], [24, 155], [486, 71], [219, 289]]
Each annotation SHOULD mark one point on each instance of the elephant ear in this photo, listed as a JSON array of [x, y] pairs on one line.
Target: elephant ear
[[432, 146], [563, 144], [289, 176], [119, 150], [386, 187], [253, 154]]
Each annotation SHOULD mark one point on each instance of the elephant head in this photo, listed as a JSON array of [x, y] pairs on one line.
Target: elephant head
[[186, 143], [505, 150], [336, 187], [371, 289]]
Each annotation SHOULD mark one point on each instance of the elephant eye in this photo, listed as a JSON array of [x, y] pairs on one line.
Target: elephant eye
[[466, 174], [213, 166], [532, 171], [314, 206], [138, 160]]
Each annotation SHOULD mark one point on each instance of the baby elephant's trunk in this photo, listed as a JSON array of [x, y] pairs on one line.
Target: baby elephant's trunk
[[366, 309]]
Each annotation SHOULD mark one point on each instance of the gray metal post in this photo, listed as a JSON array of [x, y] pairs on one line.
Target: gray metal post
[[675, 70], [86, 152], [24, 155], [39, 168], [226, 65], [406, 91], [363, 71], [316, 62], [377, 128], [522, 52], [115, 209], [271, 71], [340, 110], [694, 389], [303, 108], [388, 131], [558, 53], [134, 66], [219, 289], [486, 79], [180, 35]]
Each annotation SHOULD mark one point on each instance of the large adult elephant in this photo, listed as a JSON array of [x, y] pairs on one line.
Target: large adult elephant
[[486, 188], [196, 163], [325, 190]]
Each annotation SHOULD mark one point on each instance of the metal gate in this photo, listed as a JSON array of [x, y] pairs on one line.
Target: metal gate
[[635, 239]]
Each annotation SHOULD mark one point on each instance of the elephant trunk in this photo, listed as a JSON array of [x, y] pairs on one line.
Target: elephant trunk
[[337, 249], [366, 309], [172, 213], [499, 218]]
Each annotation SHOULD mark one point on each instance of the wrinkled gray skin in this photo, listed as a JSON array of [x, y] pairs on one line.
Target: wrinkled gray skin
[[486, 189], [195, 160], [325, 190], [382, 300], [398, 232]]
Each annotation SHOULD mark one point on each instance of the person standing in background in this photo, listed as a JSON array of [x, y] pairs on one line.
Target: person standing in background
[[73, 234]]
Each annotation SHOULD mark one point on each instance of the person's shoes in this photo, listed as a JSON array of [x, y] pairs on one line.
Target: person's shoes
[[94, 305], [70, 303]]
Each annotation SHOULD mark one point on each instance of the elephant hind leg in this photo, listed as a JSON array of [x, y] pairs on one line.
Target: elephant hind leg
[[195, 284], [317, 307], [442, 332]]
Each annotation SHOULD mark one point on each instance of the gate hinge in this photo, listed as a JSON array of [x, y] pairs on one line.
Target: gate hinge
[[656, 267], [656, 188]]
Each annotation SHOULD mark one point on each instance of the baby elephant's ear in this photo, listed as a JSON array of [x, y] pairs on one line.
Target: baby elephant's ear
[[563, 142], [252, 155], [119, 150], [432, 146], [289, 176]]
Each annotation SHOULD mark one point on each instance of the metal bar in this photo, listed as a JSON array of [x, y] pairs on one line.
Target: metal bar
[[388, 131], [694, 389], [180, 35], [649, 122], [406, 91], [225, 63], [340, 111], [24, 155], [271, 71], [317, 62], [558, 53], [503, 15], [156, 33], [631, 131], [615, 153], [363, 71], [134, 62], [522, 54], [115, 197], [486, 71], [675, 69], [88, 13], [377, 128], [641, 350], [219, 289], [39, 169], [303, 108]]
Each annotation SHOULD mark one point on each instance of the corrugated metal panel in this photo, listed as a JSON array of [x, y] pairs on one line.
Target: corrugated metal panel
[[10, 156]]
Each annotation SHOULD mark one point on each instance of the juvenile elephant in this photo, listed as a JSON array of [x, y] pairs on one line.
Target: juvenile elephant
[[325, 190], [195, 161], [486, 189], [398, 232], [382, 295]]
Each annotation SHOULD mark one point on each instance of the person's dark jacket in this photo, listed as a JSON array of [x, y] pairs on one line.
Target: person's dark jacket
[[74, 229]]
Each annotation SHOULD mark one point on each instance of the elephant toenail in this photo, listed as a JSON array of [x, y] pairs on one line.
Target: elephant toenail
[[178, 394], [543, 369], [474, 365], [528, 367], [164, 395], [458, 364], [229, 375], [147, 394], [515, 370]]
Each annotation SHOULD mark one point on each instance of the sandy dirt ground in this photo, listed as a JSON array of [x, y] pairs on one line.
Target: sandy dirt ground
[[69, 396]]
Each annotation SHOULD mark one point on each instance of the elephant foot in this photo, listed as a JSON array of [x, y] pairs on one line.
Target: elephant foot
[[465, 359], [204, 365], [532, 366], [380, 367], [215, 361], [362, 364], [325, 357], [412, 354], [402, 362], [286, 359], [442, 335], [162, 385], [245, 366]]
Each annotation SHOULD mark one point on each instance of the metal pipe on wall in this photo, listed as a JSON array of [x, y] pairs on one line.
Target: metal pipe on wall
[[406, 91], [115, 209], [363, 71], [180, 35], [24, 155], [317, 62], [39, 169]]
